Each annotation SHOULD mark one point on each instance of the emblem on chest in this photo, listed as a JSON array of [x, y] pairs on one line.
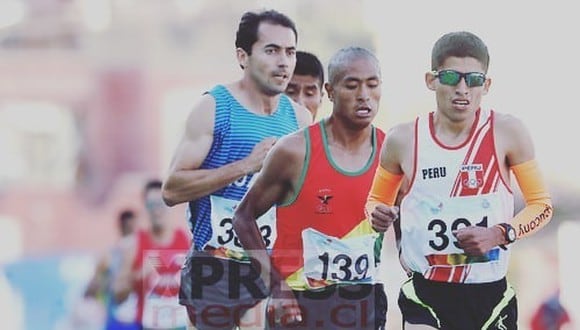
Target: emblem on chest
[[324, 197], [471, 175]]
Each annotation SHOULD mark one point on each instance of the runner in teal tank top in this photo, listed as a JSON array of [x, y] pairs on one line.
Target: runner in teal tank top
[[228, 134], [236, 131]]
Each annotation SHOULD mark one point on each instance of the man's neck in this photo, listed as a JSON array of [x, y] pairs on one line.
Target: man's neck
[[253, 98]]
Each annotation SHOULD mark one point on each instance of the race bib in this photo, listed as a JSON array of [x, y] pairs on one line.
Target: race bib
[[163, 312], [450, 215], [223, 235], [334, 260]]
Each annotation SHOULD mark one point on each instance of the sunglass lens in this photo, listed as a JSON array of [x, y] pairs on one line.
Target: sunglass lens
[[450, 78], [474, 79]]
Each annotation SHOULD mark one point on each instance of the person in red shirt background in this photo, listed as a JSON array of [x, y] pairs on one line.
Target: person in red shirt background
[[151, 263], [551, 315]]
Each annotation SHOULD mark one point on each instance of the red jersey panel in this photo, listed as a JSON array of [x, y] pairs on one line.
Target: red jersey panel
[[330, 200], [162, 266]]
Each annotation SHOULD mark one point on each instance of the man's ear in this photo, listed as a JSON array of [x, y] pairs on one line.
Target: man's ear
[[242, 57], [430, 80], [486, 85], [329, 91]]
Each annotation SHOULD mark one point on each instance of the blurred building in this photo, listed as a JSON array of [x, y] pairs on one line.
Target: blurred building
[[80, 121], [93, 94]]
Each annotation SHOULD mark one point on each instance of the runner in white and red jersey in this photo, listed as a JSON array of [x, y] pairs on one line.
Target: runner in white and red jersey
[[457, 212]]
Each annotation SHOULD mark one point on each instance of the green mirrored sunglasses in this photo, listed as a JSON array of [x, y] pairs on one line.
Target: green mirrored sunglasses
[[452, 78]]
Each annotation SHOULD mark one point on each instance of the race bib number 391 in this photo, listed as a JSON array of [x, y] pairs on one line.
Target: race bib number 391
[[327, 258], [223, 234]]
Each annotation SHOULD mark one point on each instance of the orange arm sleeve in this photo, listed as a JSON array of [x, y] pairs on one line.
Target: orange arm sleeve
[[384, 189], [538, 210]]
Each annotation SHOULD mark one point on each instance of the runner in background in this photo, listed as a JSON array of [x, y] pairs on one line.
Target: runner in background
[[119, 316], [306, 85], [150, 264]]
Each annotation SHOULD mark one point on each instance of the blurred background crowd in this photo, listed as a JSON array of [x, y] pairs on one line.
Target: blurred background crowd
[[94, 93]]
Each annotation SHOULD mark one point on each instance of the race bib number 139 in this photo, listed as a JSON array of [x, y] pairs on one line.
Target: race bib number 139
[[332, 259]]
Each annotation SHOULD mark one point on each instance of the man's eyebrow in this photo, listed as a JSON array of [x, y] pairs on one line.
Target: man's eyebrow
[[362, 79], [279, 46]]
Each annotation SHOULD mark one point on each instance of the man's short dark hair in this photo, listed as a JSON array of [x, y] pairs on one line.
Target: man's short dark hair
[[307, 64], [247, 33], [459, 44]]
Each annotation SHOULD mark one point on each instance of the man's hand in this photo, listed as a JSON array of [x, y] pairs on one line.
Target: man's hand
[[382, 216], [256, 158], [283, 308], [476, 240]]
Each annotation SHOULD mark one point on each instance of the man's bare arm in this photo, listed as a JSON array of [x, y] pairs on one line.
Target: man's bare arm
[[97, 282], [276, 184], [514, 141], [185, 181], [381, 206]]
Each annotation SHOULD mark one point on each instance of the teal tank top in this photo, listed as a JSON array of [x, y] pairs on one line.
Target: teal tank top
[[236, 131]]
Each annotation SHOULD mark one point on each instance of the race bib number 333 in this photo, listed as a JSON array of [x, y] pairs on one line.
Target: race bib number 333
[[223, 234]]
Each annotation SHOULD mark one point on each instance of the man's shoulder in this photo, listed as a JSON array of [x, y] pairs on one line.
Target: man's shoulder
[[402, 130], [508, 126], [290, 147], [218, 87], [501, 118], [293, 140], [303, 115]]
